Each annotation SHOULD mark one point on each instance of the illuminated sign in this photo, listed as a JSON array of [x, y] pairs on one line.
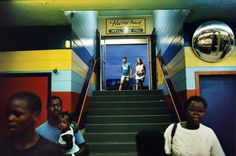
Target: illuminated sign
[[126, 26]]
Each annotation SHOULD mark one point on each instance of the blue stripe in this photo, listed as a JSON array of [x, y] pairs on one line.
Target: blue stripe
[[172, 50], [81, 51]]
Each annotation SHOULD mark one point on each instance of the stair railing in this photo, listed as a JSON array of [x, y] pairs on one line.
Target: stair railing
[[169, 86], [83, 96]]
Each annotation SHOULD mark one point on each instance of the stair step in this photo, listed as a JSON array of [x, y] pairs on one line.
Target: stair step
[[128, 119], [127, 92], [128, 98], [129, 127], [127, 104], [110, 137], [115, 117], [128, 111], [113, 147]]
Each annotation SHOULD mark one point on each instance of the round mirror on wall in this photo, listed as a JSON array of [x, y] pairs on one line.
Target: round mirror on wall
[[213, 41]]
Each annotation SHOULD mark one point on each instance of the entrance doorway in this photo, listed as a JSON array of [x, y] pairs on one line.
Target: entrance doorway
[[112, 52]]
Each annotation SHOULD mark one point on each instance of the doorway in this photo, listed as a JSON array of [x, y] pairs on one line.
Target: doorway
[[113, 49], [219, 88]]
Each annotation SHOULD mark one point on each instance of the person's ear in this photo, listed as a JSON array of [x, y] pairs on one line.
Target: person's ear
[[36, 115]]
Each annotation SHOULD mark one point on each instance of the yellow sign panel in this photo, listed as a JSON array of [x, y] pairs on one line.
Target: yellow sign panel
[[123, 26]]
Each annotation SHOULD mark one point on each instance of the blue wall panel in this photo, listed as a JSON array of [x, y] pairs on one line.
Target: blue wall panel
[[219, 92]]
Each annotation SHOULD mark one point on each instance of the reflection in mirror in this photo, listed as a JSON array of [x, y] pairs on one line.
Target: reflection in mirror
[[213, 41]]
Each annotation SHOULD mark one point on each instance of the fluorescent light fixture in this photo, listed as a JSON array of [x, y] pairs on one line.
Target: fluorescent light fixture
[[67, 44]]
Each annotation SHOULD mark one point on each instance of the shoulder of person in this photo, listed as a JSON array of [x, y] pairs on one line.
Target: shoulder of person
[[207, 129], [170, 128], [42, 126]]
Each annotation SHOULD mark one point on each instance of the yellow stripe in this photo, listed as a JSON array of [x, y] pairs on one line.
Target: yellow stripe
[[160, 76], [79, 67], [176, 64], [35, 60], [192, 60], [40, 60]]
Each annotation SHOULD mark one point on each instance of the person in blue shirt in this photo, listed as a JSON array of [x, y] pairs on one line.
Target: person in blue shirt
[[126, 73], [50, 130]]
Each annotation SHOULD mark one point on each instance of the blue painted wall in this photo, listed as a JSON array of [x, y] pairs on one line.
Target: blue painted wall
[[219, 91]]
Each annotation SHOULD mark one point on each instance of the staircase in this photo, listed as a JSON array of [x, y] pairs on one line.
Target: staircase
[[114, 118]]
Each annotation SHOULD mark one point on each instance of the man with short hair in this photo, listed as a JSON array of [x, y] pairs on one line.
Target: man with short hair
[[50, 131], [23, 110], [126, 73]]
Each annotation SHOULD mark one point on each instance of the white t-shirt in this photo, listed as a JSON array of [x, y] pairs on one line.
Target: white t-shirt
[[75, 148], [199, 142]]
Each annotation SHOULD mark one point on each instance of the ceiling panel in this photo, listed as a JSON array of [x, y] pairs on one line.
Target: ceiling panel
[[50, 12]]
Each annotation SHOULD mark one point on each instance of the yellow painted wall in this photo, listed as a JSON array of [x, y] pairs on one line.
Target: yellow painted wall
[[191, 60], [79, 67], [160, 76], [43, 60], [36, 60]]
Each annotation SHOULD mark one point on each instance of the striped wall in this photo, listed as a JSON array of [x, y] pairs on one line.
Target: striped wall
[[170, 46], [66, 83], [72, 64], [83, 46]]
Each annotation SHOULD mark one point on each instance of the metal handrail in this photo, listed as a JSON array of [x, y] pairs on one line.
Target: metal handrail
[[170, 93], [86, 92]]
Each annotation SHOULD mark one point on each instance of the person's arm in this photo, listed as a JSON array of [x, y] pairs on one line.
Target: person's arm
[[130, 71], [144, 69], [69, 143], [135, 73], [216, 149], [79, 140], [167, 136]]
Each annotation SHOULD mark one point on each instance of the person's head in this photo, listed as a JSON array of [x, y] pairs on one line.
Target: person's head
[[139, 61], [54, 106], [23, 110], [149, 143], [65, 120], [195, 108], [124, 59]]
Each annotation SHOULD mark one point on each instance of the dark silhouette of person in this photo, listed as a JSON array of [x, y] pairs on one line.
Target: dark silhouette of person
[[150, 143]]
